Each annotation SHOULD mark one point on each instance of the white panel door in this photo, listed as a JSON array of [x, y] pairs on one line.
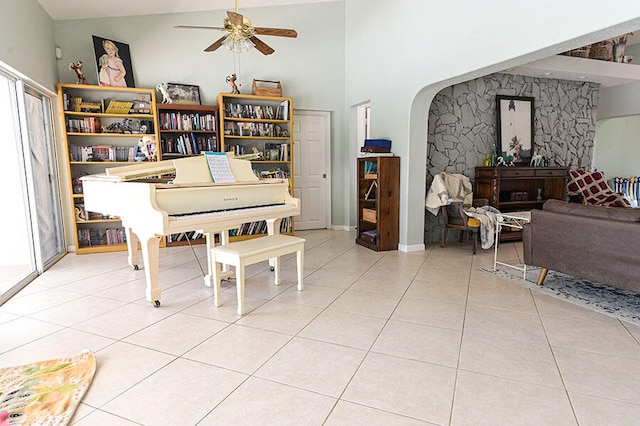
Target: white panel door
[[311, 167]]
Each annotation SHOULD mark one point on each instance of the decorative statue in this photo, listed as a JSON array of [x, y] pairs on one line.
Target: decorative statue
[[231, 79], [537, 161], [506, 160], [163, 88], [77, 68]]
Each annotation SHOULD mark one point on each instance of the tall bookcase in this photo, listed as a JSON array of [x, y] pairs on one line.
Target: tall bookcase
[[103, 127], [378, 202], [262, 125], [186, 130]]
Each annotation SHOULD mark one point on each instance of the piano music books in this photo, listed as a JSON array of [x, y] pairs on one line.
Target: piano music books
[[219, 166]]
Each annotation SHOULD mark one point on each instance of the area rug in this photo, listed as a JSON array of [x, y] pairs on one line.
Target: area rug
[[45, 393], [601, 298]]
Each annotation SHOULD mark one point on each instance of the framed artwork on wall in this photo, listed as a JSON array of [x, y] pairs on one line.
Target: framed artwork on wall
[[113, 61], [187, 94], [515, 128]]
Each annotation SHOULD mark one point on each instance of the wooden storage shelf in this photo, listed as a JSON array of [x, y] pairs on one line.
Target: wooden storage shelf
[[511, 189], [121, 145], [194, 128], [378, 203], [259, 114]]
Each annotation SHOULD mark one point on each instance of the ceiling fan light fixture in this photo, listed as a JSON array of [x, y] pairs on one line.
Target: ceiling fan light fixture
[[237, 44]]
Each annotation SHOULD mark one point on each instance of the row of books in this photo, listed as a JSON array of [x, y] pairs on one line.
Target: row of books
[[184, 236], [112, 153], [258, 112], [99, 237], [188, 122], [255, 129], [78, 104], [188, 144], [260, 227], [84, 125], [271, 174]]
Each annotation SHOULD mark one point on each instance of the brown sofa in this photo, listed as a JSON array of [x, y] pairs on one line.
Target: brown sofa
[[599, 244]]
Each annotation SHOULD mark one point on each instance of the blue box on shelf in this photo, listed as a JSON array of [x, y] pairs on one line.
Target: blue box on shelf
[[383, 143]]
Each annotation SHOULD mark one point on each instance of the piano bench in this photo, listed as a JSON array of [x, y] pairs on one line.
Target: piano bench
[[248, 252]]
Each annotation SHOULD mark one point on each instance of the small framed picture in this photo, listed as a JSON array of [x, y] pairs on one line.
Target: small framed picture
[[515, 128], [186, 94]]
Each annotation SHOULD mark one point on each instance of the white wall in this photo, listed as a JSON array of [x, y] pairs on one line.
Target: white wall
[[26, 41], [399, 54], [617, 146]]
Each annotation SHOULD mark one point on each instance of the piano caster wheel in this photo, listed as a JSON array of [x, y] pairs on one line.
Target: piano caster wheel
[[135, 267], [156, 303], [271, 268]]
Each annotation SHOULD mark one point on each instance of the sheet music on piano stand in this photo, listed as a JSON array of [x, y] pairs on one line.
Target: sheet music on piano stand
[[219, 166]]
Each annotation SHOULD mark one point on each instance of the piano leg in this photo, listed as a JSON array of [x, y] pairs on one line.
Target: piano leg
[[132, 248], [151, 257]]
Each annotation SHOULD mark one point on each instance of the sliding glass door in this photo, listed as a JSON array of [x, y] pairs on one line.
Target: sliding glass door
[[45, 201], [30, 213]]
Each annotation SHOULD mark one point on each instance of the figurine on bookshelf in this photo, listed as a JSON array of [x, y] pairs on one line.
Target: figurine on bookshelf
[[231, 79], [146, 149], [77, 68], [163, 88]]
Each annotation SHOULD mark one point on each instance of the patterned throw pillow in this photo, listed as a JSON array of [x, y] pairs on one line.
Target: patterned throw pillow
[[593, 187]]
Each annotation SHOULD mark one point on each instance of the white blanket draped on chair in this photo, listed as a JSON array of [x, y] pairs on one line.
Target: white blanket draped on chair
[[448, 187], [487, 217]]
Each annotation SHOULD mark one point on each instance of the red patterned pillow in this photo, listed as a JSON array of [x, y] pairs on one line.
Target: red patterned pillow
[[595, 189]]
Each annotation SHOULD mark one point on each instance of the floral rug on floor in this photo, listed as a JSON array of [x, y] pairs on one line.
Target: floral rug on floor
[[46, 392], [601, 298]]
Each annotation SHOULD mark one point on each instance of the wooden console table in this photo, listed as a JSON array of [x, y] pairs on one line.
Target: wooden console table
[[511, 189]]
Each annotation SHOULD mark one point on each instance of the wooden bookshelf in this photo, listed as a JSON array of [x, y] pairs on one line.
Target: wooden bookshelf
[[103, 127], [185, 131], [378, 202], [264, 125]]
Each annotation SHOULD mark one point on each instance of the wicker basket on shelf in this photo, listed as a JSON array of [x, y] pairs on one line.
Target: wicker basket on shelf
[[602, 50], [582, 52]]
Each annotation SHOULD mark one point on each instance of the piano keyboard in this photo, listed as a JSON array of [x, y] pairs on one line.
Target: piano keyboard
[[248, 210]]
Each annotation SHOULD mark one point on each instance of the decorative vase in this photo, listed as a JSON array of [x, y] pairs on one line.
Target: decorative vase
[[539, 197]]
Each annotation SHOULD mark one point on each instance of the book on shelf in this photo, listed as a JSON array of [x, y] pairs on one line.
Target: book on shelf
[[283, 110]]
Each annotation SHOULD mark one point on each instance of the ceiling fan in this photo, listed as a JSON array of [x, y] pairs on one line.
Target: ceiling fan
[[242, 35]]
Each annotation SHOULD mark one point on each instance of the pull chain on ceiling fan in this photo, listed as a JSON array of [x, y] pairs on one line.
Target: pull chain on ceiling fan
[[242, 34]]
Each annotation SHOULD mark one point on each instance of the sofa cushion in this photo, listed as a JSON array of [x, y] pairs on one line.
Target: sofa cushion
[[593, 187], [602, 212]]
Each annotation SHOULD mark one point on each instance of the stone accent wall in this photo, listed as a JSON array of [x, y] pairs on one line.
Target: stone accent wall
[[462, 126]]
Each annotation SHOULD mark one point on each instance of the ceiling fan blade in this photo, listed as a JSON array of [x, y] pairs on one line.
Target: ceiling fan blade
[[215, 45], [279, 32], [198, 27], [235, 18], [261, 46]]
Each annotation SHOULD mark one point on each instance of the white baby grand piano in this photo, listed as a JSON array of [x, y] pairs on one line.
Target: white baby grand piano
[[151, 208]]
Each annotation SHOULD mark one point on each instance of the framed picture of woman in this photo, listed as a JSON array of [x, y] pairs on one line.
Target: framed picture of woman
[[515, 127], [113, 61]]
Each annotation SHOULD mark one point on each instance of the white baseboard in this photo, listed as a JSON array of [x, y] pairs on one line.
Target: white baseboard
[[409, 248], [343, 228]]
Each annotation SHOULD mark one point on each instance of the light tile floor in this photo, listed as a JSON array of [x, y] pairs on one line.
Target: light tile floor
[[375, 338]]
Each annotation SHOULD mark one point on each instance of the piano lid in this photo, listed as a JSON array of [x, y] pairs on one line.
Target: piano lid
[[187, 170]]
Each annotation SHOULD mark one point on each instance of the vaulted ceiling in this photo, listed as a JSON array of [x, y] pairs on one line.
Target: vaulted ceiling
[[84, 9]]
